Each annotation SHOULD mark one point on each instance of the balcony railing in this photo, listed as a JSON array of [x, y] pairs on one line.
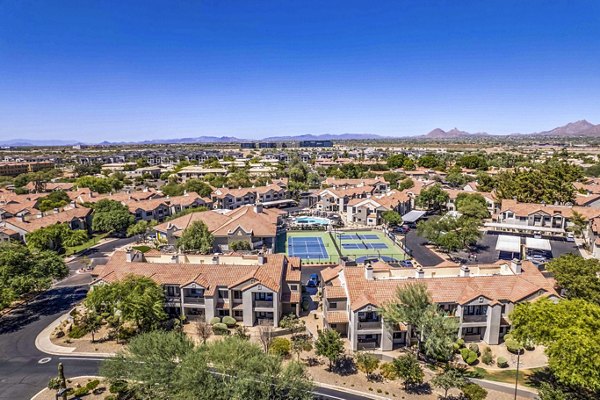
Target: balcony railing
[[264, 321], [193, 300], [263, 303], [172, 299], [474, 318], [369, 325]]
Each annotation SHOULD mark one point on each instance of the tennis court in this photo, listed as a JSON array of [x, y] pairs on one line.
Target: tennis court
[[368, 245], [310, 248], [358, 236]]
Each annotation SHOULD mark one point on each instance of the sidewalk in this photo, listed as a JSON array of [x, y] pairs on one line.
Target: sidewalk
[[45, 345]]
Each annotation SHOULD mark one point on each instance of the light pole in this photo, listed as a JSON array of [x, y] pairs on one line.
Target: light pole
[[517, 377]]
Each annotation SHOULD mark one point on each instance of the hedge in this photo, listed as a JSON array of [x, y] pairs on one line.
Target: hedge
[[229, 321], [220, 329], [215, 320]]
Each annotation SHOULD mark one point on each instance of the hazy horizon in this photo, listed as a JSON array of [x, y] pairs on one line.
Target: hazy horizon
[[164, 70]]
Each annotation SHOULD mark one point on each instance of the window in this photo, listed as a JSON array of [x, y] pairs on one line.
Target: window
[[398, 335], [238, 313], [223, 294], [332, 304], [264, 296], [293, 287], [237, 294], [333, 326]]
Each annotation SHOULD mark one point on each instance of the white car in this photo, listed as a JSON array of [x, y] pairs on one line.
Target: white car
[[570, 237], [537, 235]]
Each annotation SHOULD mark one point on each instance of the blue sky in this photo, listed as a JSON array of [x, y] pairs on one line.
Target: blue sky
[[124, 70]]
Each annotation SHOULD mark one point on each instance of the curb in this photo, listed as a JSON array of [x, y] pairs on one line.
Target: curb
[[348, 390], [45, 345]]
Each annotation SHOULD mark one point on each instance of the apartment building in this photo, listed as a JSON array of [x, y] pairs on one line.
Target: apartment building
[[230, 199], [336, 200], [369, 211], [18, 168], [255, 290], [480, 297], [528, 218], [77, 218], [490, 200], [253, 224], [197, 172]]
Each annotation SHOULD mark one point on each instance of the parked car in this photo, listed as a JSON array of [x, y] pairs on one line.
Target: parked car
[[537, 258], [570, 237], [406, 263], [537, 235], [313, 280]]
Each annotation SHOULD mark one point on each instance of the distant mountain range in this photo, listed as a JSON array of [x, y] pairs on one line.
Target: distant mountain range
[[581, 128]]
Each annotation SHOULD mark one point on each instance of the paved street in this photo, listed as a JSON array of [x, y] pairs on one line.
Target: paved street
[[416, 245]]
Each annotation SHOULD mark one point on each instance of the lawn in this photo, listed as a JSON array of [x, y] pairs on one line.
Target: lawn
[[507, 376], [93, 241]]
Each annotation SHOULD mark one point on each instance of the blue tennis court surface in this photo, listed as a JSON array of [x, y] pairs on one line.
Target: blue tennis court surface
[[358, 236], [363, 246], [307, 248]]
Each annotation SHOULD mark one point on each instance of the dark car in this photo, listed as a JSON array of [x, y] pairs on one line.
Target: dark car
[[313, 280]]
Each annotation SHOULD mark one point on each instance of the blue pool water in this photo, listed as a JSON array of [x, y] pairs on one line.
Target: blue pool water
[[313, 220]]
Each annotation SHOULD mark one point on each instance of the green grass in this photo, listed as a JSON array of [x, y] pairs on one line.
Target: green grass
[[93, 241], [507, 376]]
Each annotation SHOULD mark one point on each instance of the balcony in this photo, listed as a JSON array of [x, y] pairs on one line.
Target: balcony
[[193, 300], [366, 325], [172, 299], [263, 303], [264, 322], [474, 318]]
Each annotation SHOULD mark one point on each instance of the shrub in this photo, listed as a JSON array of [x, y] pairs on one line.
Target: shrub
[[512, 345], [220, 329], [229, 321], [91, 385], [280, 347], [54, 383], [474, 348], [487, 356], [119, 386], [77, 331], [388, 371], [81, 391], [502, 362], [471, 391], [460, 342], [215, 320], [468, 356]]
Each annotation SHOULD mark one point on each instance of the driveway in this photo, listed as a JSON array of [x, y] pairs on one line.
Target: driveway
[[416, 246]]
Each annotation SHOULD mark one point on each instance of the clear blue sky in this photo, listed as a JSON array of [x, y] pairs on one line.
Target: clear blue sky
[[120, 70]]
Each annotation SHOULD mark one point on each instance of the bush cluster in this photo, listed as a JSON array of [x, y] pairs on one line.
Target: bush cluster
[[468, 356], [229, 321], [220, 329]]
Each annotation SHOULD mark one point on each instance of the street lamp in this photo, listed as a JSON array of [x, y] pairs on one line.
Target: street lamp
[[517, 377]]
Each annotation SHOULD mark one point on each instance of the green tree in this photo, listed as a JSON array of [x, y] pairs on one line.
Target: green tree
[[433, 198], [134, 299], [367, 363], [301, 343], [472, 206], [472, 391], [473, 161], [578, 223], [396, 160], [172, 189], [406, 184], [23, 271], [330, 345], [140, 228], [449, 379], [111, 216], [100, 185], [431, 161], [197, 238], [198, 186], [407, 368], [392, 217], [450, 233], [569, 330], [240, 245], [579, 277], [412, 305], [55, 237], [56, 199]]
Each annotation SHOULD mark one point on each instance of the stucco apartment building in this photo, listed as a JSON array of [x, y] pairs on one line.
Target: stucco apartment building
[[18, 168], [198, 172], [253, 224], [77, 218], [230, 199], [480, 296], [528, 218], [255, 290], [369, 211]]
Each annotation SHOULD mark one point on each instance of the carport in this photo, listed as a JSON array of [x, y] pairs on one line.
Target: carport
[[412, 216], [508, 246], [538, 246]]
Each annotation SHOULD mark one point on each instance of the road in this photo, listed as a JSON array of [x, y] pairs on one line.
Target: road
[[24, 370]]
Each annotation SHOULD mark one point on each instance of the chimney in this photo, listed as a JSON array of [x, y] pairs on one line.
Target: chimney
[[174, 259], [465, 271], [129, 255], [262, 259], [368, 271], [73, 204], [215, 259], [420, 273], [258, 208], [515, 265]]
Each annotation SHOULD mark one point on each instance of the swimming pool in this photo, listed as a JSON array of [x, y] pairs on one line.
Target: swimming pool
[[312, 221]]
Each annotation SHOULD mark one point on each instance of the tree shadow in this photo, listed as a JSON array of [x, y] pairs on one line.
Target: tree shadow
[[344, 366], [422, 388]]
